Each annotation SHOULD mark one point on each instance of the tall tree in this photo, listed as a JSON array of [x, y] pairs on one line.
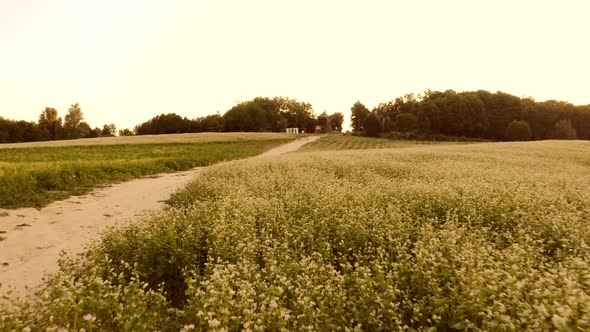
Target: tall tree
[[108, 130], [359, 115], [245, 117], [336, 120], [72, 122], [49, 121], [372, 125]]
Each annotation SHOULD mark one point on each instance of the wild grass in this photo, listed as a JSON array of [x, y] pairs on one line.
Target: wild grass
[[36, 176], [490, 237], [349, 142]]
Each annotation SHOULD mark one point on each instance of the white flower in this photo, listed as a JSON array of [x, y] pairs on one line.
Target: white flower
[[187, 328], [89, 318], [214, 322]]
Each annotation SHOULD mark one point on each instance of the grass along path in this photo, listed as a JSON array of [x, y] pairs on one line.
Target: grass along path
[[41, 173], [33, 239]]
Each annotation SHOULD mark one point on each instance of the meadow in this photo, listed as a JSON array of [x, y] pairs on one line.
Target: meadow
[[35, 174], [491, 237]]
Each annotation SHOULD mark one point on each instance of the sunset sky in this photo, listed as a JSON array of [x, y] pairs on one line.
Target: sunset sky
[[126, 61]]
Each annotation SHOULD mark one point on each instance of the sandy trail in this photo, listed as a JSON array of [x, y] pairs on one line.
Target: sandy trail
[[33, 239]]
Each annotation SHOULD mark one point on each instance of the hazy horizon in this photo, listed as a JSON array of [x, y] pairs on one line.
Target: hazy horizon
[[125, 62]]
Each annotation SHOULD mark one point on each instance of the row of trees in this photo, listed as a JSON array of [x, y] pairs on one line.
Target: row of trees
[[52, 127], [475, 114], [259, 114]]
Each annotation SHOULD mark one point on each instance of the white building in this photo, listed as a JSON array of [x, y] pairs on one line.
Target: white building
[[292, 130]]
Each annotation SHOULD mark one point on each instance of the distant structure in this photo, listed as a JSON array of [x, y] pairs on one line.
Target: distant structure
[[292, 130], [323, 124]]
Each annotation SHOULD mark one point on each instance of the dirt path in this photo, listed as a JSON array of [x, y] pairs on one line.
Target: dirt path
[[33, 239]]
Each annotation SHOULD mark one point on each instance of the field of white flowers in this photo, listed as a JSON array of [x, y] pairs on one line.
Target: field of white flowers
[[479, 237]]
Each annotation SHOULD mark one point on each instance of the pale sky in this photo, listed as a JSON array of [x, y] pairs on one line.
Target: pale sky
[[126, 61]]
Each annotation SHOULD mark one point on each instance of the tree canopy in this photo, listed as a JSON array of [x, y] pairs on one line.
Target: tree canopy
[[477, 114], [259, 114]]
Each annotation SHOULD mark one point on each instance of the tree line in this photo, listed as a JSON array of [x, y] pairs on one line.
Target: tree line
[[474, 114], [259, 114], [52, 127], [431, 115]]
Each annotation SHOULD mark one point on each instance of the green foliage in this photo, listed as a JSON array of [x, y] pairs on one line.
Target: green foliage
[[51, 123], [49, 127], [266, 114], [359, 114], [170, 123], [246, 117], [38, 176], [483, 115], [108, 130], [469, 237], [209, 123], [518, 130], [372, 126], [72, 125], [259, 114], [336, 120], [406, 122], [565, 130], [126, 132], [21, 131]]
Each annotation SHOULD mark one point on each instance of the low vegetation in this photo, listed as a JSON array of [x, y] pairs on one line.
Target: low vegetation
[[350, 142], [47, 171], [491, 236]]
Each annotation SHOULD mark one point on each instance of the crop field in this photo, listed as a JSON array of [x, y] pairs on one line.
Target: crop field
[[349, 142], [157, 139], [43, 172], [491, 237]]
